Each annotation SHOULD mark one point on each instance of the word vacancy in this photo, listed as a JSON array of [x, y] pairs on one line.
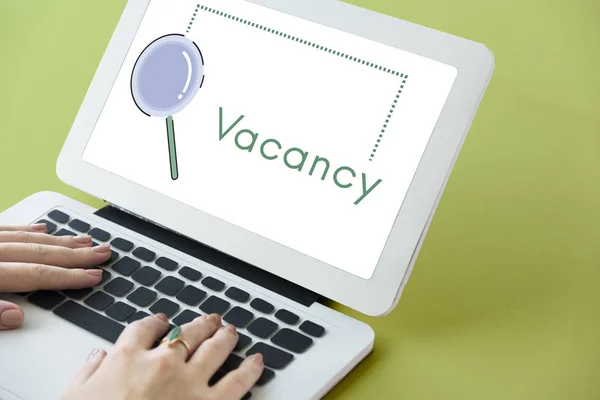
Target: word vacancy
[[296, 159]]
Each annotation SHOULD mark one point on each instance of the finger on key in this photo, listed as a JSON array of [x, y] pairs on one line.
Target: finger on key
[[54, 255], [213, 352], [238, 382], [73, 242], [145, 332], [194, 333], [24, 228], [20, 277]]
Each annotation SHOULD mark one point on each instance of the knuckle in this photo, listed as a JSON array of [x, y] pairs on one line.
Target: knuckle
[[239, 379], [22, 236], [38, 249], [127, 351], [163, 363], [39, 271]]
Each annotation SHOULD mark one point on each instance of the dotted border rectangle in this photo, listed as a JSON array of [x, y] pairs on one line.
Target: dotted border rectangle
[[333, 52]]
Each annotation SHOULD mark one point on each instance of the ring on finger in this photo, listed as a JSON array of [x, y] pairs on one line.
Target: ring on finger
[[174, 337]]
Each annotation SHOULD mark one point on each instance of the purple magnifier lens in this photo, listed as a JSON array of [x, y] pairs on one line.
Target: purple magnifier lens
[[167, 76], [165, 79]]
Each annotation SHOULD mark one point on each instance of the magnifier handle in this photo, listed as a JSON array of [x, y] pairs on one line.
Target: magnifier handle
[[172, 149]]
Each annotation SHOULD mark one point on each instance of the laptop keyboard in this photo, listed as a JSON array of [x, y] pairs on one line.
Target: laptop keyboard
[[138, 281]]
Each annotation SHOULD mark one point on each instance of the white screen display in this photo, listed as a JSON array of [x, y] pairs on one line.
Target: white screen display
[[300, 133]]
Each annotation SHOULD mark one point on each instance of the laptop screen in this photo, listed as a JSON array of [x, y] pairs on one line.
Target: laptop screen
[[300, 133]]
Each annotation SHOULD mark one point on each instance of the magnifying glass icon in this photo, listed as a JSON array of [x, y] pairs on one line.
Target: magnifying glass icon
[[165, 79]]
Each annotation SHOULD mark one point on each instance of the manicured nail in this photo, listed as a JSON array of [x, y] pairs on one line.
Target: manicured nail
[[11, 318], [95, 355], [230, 329], [39, 227], [104, 248], [83, 239], [256, 358], [94, 272], [162, 316]]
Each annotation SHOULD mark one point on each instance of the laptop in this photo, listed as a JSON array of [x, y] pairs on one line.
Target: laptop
[[255, 157]]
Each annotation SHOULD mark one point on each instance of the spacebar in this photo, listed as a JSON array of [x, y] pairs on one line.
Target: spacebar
[[90, 320]]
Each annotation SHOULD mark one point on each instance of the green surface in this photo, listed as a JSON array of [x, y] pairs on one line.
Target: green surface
[[504, 302]]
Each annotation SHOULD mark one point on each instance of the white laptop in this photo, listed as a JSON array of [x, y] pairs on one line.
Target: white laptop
[[255, 157]]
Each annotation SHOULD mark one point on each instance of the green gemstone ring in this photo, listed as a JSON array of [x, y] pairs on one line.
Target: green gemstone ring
[[174, 337]]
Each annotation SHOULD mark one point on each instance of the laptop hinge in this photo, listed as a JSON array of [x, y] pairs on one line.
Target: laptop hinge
[[208, 254]]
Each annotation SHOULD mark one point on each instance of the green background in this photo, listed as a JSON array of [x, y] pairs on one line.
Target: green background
[[504, 300]]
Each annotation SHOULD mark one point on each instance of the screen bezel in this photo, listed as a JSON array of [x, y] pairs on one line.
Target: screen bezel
[[376, 296]]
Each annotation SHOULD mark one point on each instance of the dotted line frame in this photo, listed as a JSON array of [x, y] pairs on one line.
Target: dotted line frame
[[404, 77]]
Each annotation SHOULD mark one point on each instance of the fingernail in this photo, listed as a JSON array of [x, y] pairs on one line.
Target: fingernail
[[104, 248], [230, 329], [162, 316], [82, 239], [95, 355], [256, 358], [11, 318], [216, 318], [95, 272], [39, 227]]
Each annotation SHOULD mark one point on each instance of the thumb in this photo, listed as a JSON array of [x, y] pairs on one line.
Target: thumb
[[11, 316], [92, 363]]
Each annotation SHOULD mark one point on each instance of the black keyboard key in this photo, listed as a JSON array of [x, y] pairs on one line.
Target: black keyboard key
[[272, 356], [216, 378], [105, 277], [238, 317], [146, 276], [213, 284], [243, 342], [78, 294], [113, 257], [262, 306], [46, 299], [99, 301], [262, 327], [50, 226], [94, 244], [122, 244], [142, 296], [237, 294], [120, 311], [190, 274], [144, 254], [166, 263], [89, 320], [118, 286], [287, 317], [191, 295], [137, 316], [312, 329], [169, 286], [165, 306], [99, 234], [126, 266], [58, 216], [79, 225], [292, 340], [232, 362], [65, 232], [247, 396], [265, 377], [214, 305], [185, 317]]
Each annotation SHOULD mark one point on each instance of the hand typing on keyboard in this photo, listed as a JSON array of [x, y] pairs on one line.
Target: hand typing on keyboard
[[32, 260], [136, 370]]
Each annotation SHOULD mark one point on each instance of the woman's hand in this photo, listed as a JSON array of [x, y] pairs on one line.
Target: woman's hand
[[32, 260], [135, 371]]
